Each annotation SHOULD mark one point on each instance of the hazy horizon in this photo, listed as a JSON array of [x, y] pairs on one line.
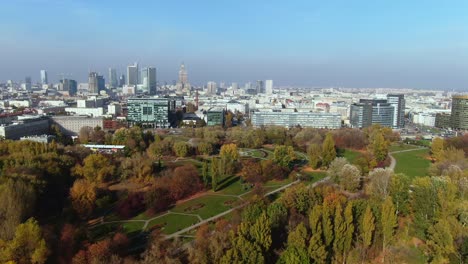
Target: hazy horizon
[[362, 44]]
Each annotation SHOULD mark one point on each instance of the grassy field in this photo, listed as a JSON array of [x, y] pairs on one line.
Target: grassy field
[[173, 222], [400, 147], [206, 206], [412, 163], [350, 155]]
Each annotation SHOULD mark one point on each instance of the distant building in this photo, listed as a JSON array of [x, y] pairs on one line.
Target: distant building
[[113, 82], [293, 119], [235, 86], [360, 115], [211, 88], [260, 88], [39, 138], [132, 74], [69, 86], [215, 117], [122, 80], [183, 85], [460, 112], [152, 112], [29, 126], [269, 87], [71, 125], [96, 83], [44, 79], [398, 102], [27, 83], [148, 76]]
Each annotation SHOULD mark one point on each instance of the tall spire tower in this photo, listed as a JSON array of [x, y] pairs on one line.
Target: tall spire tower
[[183, 85]]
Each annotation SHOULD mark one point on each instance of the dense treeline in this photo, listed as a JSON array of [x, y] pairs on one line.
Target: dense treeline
[[48, 192]]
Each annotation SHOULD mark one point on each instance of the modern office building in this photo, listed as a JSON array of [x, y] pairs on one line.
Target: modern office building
[[69, 86], [371, 111], [215, 117], [27, 126], [269, 87], [113, 82], [27, 83], [398, 102], [96, 83], [122, 80], [211, 88], [44, 79], [460, 112], [148, 76], [293, 119], [260, 87], [153, 112], [132, 74], [443, 120]]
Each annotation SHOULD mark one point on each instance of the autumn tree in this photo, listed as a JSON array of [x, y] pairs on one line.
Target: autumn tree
[[328, 150], [437, 148], [181, 149], [314, 151], [379, 183], [215, 172], [205, 173], [95, 168], [317, 249], [284, 155], [440, 242], [389, 221], [252, 171], [350, 178], [379, 147], [83, 197], [205, 148], [27, 246], [228, 159], [368, 228], [296, 251]]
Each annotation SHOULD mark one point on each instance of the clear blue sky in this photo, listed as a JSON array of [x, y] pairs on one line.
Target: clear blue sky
[[374, 43]]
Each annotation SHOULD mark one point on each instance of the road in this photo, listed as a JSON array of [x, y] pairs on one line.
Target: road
[[393, 160]]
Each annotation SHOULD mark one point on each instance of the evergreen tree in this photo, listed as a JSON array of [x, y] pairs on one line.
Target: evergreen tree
[[339, 230], [214, 173], [349, 229], [205, 170]]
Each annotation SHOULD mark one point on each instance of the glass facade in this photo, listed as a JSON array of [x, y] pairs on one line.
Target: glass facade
[[149, 111]]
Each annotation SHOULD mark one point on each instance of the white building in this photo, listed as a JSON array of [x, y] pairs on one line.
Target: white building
[[71, 125], [269, 87], [94, 111]]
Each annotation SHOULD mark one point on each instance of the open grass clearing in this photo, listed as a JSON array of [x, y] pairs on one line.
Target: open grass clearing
[[171, 223], [212, 205], [412, 163]]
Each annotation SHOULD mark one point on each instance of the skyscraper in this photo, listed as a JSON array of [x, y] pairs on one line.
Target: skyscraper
[[132, 74], [460, 112], [398, 102], [122, 80], [44, 77], [151, 80], [211, 88], [96, 83], [269, 87], [27, 83], [260, 88], [69, 86], [183, 85], [113, 78], [235, 86]]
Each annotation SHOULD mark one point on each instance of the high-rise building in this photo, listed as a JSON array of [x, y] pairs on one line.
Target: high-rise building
[[122, 80], [269, 87], [96, 83], [44, 79], [460, 112], [370, 112], [132, 74], [235, 86], [183, 85], [211, 88], [27, 83], [398, 102], [148, 76], [260, 87], [69, 86], [113, 83]]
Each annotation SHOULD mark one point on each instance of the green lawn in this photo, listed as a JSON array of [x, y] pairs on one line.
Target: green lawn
[[206, 206], [234, 188], [350, 155], [412, 163], [314, 176], [399, 147], [131, 227], [172, 222]]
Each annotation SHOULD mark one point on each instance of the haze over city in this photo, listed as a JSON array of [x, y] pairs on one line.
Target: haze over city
[[396, 44]]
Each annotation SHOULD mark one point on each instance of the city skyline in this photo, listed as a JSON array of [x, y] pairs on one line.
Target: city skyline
[[336, 44]]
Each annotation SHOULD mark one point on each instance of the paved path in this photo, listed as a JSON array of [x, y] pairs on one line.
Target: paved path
[[393, 160], [178, 233]]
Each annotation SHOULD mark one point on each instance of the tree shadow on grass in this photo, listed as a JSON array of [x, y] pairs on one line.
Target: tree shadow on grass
[[224, 183]]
